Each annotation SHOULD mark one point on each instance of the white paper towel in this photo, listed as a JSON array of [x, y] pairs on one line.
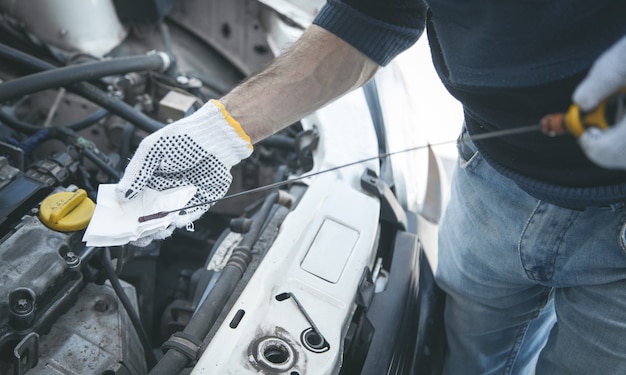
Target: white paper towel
[[115, 223]]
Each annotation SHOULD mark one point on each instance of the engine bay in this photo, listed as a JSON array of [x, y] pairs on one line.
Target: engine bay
[[277, 279]]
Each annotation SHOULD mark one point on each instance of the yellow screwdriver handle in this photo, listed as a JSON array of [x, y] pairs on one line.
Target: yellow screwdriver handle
[[607, 113]]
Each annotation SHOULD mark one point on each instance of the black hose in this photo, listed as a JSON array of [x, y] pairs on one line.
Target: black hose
[[87, 121], [116, 106], [125, 145], [18, 125], [88, 91], [280, 141], [218, 87], [69, 75], [28, 128], [28, 61], [29, 144], [132, 314], [167, 39], [173, 362], [167, 44], [104, 167]]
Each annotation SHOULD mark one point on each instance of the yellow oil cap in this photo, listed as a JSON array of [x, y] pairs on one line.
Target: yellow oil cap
[[67, 211]]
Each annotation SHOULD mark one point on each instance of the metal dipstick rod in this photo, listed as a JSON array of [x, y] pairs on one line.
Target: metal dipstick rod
[[493, 134]]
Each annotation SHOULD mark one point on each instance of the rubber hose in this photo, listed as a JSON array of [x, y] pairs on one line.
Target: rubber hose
[[104, 167], [88, 91], [132, 314], [29, 144], [167, 43], [18, 125], [125, 145], [280, 141], [28, 128], [202, 321], [87, 121], [69, 75]]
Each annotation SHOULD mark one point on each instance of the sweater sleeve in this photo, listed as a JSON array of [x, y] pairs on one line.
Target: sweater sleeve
[[380, 32]]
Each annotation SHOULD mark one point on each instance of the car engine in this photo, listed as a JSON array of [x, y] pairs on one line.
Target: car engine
[[292, 275]]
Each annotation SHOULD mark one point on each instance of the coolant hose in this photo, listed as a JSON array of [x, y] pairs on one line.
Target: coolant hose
[[174, 361], [53, 78], [86, 90]]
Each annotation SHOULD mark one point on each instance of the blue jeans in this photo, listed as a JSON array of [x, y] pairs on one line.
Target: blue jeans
[[530, 286]]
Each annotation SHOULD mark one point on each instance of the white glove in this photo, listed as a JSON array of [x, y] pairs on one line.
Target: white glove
[[606, 77], [197, 150]]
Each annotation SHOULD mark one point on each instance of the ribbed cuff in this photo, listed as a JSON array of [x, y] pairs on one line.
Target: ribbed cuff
[[232, 122], [577, 198], [378, 40]]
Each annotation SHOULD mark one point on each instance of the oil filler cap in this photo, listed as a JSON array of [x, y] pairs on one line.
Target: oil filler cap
[[67, 211]]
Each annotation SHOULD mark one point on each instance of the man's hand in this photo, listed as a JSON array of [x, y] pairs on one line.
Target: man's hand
[[197, 150], [606, 77]]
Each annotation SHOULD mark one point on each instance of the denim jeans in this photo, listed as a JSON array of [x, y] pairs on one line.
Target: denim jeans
[[530, 287]]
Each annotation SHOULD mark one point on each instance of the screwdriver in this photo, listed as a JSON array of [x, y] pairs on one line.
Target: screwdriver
[[575, 121]]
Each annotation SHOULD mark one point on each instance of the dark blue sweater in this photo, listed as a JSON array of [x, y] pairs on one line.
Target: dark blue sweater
[[509, 62]]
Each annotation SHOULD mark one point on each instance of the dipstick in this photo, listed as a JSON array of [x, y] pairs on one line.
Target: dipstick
[[493, 134]]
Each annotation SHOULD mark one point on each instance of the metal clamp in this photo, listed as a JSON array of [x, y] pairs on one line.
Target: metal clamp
[[184, 343]]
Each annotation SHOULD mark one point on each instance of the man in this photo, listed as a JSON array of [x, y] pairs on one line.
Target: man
[[532, 252]]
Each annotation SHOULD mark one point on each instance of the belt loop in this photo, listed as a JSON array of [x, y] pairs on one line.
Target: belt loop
[[613, 206]]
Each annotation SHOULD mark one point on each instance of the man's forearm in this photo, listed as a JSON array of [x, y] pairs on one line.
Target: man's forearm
[[317, 69]]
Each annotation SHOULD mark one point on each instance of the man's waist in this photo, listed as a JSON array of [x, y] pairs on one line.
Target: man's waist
[[572, 196]]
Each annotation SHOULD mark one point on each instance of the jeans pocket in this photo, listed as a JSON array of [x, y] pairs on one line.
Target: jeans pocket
[[622, 235], [468, 153]]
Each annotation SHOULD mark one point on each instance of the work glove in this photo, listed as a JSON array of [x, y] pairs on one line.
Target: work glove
[[197, 150], [607, 76]]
